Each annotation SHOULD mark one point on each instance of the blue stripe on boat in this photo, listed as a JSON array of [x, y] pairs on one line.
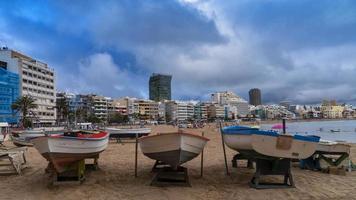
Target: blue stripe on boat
[[244, 130]]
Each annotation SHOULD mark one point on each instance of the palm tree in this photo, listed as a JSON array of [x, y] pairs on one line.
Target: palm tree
[[24, 105], [62, 109]]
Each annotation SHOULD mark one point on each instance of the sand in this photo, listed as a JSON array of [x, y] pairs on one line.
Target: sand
[[115, 179]]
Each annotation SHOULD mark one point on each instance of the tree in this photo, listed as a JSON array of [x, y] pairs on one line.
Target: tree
[[93, 119], [24, 105], [118, 118], [62, 106]]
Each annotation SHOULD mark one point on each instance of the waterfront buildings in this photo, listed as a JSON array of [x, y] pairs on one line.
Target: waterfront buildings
[[9, 92], [179, 111], [37, 80], [216, 111], [272, 112], [255, 97], [201, 111], [228, 98], [160, 87], [331, 110]]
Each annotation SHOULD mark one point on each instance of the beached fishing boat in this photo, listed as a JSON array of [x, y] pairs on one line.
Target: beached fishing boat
[[173, 149], [62, 150], [256, 143], [127, 132]]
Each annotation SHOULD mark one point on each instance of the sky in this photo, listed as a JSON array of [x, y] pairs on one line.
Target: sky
[[303, 51]]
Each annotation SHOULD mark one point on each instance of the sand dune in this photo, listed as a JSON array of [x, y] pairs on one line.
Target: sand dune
[[115, 179]]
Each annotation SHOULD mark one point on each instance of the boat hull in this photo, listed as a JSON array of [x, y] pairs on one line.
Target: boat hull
[[128, 133], [333, 147], [269, 145], [62, 151], [172, 148]]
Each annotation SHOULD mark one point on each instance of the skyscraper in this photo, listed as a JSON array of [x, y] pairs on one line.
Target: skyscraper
[[160, 87], [255, 97]]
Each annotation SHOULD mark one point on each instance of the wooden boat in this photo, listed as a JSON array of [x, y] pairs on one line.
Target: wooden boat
[[63, 150], [173, 149], [127, 132], [256, 143]]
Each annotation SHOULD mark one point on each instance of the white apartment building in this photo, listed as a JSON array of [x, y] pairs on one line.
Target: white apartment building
[[36, 80], [231, 99], [185, 111], [101, 106], [179, 110]]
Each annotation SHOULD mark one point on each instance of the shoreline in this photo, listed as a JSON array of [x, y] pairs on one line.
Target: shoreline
[[304, 120]]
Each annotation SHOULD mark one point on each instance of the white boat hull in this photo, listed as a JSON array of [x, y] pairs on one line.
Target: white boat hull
[[63, 151], [268, 146], [172, 148]]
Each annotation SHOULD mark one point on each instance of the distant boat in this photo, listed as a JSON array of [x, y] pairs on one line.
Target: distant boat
[[62, 150], [256, 143], [173, 149], [127, 132], [335, 131], [23, 137]]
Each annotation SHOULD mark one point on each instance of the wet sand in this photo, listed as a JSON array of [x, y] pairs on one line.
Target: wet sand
[[115, 178]]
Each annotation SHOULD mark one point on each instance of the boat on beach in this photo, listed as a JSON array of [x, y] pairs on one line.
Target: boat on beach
[[127, 132], [73, 146], [256, 143], [173, 149]]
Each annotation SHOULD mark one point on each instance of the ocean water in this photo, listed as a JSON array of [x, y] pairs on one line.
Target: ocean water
[[323, 129]]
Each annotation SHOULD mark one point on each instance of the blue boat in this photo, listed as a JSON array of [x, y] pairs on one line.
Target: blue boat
[[255, 143]]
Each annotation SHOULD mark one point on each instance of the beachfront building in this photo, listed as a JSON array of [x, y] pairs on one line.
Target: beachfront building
[[119, 106], [160, 87], [99, 106], [331, 110], [272, 112], [185, 111], [147, 109], [255, 97], [232, 100], [201, 111], [180, 111], [9, 92], [215, 111], [36, 80]]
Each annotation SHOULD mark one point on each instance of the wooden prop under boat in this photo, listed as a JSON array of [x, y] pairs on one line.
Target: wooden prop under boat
[[256, 143], [172, 148], [62, 150], [127, 132]]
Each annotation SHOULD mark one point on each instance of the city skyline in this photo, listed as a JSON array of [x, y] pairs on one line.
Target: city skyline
[[221, 46]]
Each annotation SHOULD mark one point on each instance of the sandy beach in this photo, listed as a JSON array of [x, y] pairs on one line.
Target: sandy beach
[[115, 178]]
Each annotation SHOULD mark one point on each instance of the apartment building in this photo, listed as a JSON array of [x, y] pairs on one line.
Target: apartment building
[[331, 110], [201, 111], [36, 80], [231, 99], [147, 108], [216, 111]]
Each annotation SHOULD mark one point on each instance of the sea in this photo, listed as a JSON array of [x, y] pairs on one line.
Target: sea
[[341, 130]]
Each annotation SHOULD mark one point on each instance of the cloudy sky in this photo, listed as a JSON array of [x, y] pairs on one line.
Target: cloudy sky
[[303, 51]]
